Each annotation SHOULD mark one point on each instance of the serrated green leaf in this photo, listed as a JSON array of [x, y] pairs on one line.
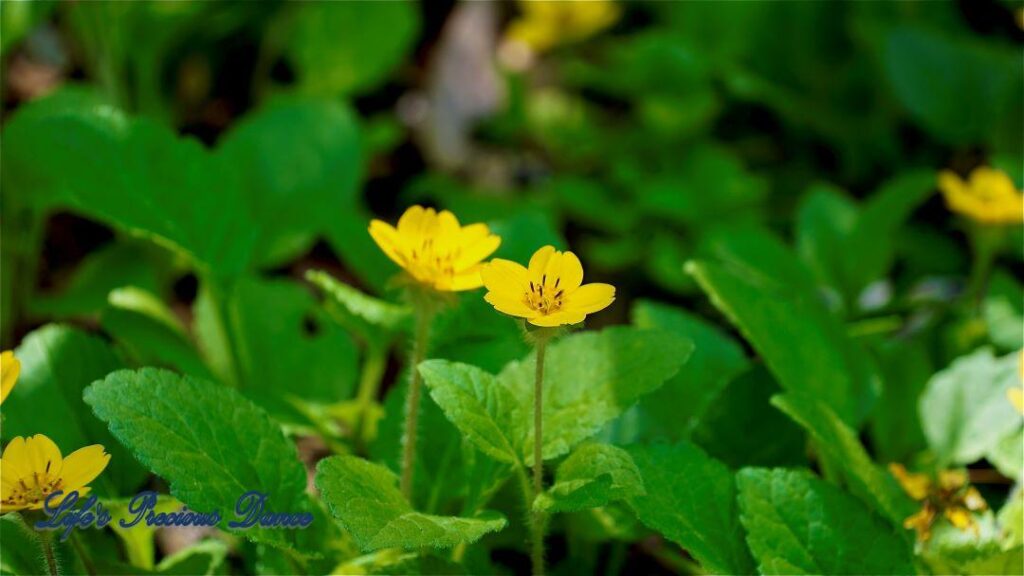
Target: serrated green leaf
[[766, 437], [673, 410], [592, 476], [206, 440], [840, 444], [765, 291], [485, 411], [964, 409], [591, 378], [57, 363], [691, 499], [363, 497], [302, 163], [799, 524]]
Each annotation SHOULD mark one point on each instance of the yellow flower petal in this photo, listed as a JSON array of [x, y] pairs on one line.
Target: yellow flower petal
[[569, 270], [434, 249], [388, 240], [916, 486], [988, 196], [510, 306], [41, 454], [560, 318], [590, 298], [539, 261], [83, 466], [959, 517], [505, 277], [1016, 397], [10, 368], [952, 480]]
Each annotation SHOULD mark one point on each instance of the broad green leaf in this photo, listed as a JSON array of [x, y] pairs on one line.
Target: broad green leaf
[[763, 289], [691, 499], [145, 327], [348, 47], [277, 333], [57, 363], [302, 164], [592, 476], [825, 221], [166, 189], [673, 410], [951, 549], [486, 412], [742, 428], [112, 266], [928, 72], [590, 378], [799, 524], [206, 440], [964, 409], [364, 498], [1008, 455], [839, 443], [895, 426]]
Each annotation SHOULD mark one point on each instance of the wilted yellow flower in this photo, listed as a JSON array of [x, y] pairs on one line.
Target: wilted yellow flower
[[548, 293], [434, 249], [31, 469], [545, 24], [949, 495], [988, 196], [10, 368]]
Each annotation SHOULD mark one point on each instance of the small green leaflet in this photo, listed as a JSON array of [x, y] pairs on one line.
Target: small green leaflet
[[364, 498], [592, 476]]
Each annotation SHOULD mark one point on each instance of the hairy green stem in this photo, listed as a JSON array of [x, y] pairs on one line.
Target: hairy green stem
[[412, 399], [46, 541], [986, 241], [537, 525]]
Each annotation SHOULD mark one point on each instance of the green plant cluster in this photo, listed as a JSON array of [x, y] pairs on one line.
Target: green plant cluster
[[796, 308]]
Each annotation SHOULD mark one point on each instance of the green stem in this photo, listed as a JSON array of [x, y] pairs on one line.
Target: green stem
[[412, 399], [537, 525], [83, 555], [986, 241], [46, 541], [369, 385]]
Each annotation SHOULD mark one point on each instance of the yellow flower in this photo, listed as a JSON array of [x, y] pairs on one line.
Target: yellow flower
[[10, 367], [434, 249], [948, 494], [545, 24], [31, 469], [988, 196], [548, 293], [1016, 395]]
